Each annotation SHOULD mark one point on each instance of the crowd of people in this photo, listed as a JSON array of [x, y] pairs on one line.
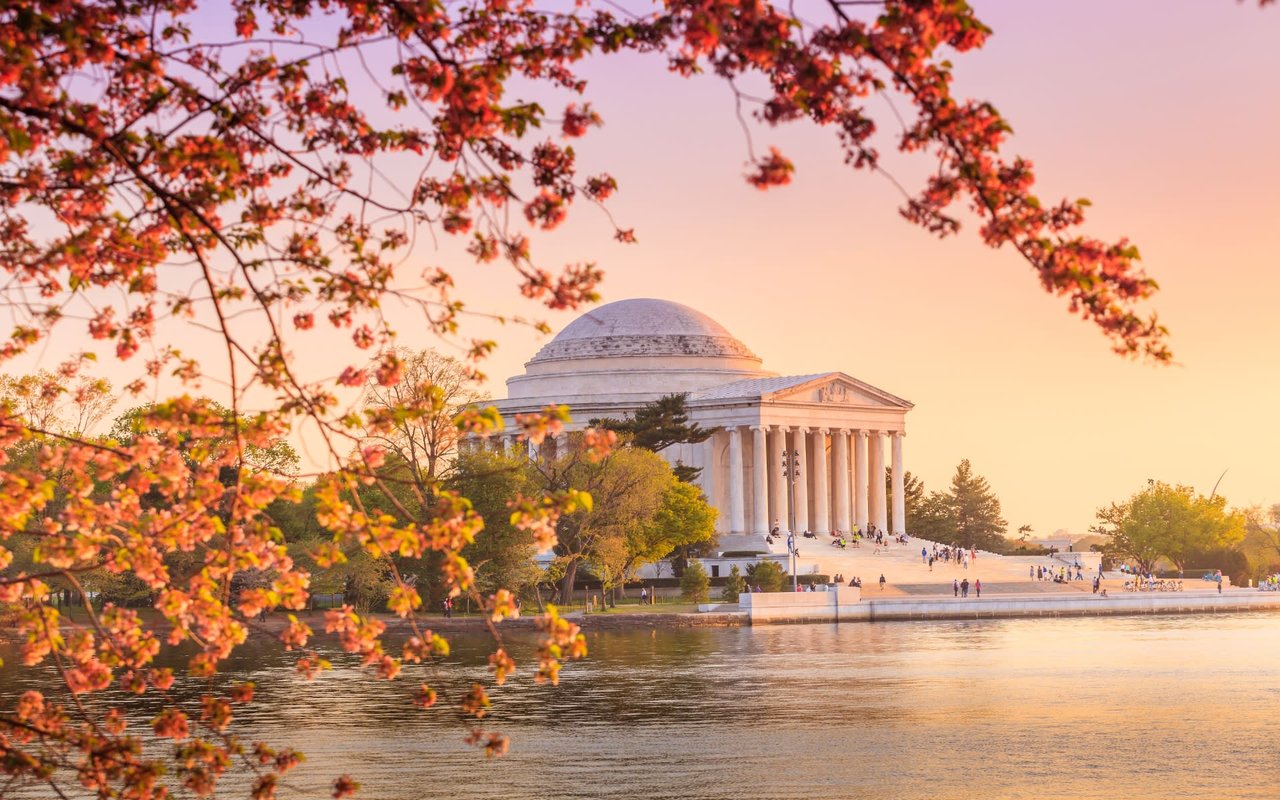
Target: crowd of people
[[845, 539], [1062, 574], [948, 555]]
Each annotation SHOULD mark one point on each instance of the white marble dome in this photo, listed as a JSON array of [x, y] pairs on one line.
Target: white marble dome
[[633, 351], [643, 327]]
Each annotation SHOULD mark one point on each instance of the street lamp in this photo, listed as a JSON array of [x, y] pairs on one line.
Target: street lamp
[[791, 471]]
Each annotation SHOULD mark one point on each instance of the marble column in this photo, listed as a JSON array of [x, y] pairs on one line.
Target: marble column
[[860, 479], [711, 479], [562, 445], [737, 476], [801, 494], [821, 484], [840, 455], [879, 508], [777, 483], [759, 499], [899, 487]]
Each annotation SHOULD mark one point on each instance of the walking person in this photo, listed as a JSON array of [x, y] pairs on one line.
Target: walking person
[[955, 587], [977, 587], [882, 581], [964, 588]]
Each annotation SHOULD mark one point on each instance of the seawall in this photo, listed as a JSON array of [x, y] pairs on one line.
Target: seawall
[[831, 607]]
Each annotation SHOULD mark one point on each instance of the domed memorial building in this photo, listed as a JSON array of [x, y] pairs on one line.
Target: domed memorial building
[[616, 358]]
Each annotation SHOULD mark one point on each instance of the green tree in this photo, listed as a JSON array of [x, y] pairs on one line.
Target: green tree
[[502, 554], [733, 585], [627, 487], [975, 511], [768, 575], [968, 513], [682, 520], [1261, 543], [658, 425], [607, 560], [1171, 522], [933, 518], [694, 583]]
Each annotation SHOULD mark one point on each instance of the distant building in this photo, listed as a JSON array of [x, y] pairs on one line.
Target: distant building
[[1061, 540], [614, 359]]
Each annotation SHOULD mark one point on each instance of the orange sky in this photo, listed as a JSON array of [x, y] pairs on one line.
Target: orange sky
[[1163, 113]]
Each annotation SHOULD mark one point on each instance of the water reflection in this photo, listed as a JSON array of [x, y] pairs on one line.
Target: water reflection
[[1145, 707]]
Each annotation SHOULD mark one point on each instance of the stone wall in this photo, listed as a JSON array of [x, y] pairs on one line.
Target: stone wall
[[840, 607], [835, 605]]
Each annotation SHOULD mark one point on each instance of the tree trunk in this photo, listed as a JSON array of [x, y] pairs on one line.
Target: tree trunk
[[566, 583]]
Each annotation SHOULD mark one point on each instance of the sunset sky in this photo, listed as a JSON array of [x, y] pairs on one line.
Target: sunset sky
[[1164, 114]]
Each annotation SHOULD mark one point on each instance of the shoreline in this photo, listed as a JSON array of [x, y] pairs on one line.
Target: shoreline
[[895, 609], [1013, 606]]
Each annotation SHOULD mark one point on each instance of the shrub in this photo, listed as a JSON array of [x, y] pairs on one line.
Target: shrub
[[732, 585], [768, 575], [694, 583]]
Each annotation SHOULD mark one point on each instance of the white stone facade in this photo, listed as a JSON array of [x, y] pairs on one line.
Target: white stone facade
[[616, 358]]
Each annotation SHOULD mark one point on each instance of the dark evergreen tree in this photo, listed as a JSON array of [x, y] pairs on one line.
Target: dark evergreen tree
[[658, 425], [975, 510], [694, 583], [968, 514]]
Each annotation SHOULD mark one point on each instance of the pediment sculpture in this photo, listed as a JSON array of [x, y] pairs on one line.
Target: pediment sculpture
[[834, 393]]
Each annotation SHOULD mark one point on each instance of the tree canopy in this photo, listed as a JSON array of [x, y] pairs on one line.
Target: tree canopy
[[968, 513], [1172, 522], [640, 512]]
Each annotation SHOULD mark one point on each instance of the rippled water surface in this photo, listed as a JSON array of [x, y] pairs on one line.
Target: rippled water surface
[[1120, 707]]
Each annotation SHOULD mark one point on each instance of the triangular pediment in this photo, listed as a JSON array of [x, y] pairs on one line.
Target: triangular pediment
[[836, 389]]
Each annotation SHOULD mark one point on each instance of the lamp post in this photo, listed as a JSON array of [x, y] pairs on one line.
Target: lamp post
[[791, 471]]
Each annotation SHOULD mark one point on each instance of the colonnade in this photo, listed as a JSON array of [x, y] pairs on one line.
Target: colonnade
[[838, 485], [828, 492]]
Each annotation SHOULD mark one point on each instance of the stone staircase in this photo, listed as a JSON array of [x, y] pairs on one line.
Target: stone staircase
[[904, 570]]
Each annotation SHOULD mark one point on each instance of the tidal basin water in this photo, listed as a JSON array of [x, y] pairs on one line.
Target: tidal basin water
[[1116, 707]]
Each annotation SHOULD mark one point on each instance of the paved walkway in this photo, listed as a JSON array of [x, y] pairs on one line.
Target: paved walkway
[[902, 567]]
